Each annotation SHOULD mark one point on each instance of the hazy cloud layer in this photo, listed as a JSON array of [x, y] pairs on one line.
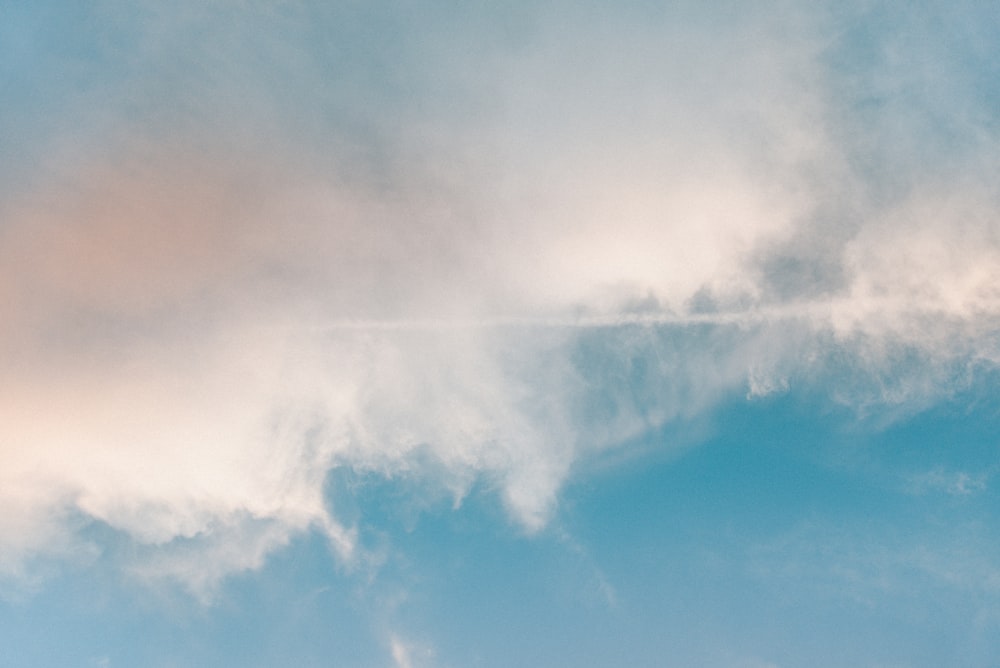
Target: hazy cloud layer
[[242, 247]]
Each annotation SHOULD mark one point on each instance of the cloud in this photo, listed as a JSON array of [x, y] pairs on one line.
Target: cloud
[[955, 483], [880, 566], [400, 654], [251, 246], [406, 654]]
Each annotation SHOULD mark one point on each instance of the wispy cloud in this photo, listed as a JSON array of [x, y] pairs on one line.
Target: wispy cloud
[[406, 654], [251, 246], [956, 483], [879, 565]]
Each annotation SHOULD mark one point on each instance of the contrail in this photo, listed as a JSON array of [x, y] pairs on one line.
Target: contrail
[[590, 321], [813, 311]]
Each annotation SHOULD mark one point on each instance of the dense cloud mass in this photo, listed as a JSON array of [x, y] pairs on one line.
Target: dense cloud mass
[[241, 248]]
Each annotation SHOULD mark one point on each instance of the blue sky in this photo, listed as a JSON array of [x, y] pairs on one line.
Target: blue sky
[[405, 335]]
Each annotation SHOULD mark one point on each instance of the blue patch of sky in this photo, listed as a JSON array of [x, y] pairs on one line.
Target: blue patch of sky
[[794, 535]]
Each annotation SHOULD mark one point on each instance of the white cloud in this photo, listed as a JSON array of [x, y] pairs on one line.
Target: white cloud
[[955, 483], [231, 278], [406, 654]]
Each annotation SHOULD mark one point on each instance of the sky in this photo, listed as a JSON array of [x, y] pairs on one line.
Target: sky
[[409, 335]]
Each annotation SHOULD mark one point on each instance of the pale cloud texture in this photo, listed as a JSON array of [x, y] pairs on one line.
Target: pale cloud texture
[[246, 252]]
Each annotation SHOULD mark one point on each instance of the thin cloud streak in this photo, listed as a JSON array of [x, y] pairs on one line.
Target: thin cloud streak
[[824, 312]]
